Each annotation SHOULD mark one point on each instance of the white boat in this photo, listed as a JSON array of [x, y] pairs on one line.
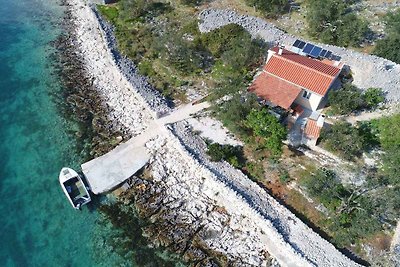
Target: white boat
[[74, 188]]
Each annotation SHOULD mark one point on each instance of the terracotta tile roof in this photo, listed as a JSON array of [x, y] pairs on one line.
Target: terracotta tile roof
[[275, 90], [303, 71], [312, 130]]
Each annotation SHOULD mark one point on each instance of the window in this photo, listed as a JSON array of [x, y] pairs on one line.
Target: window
[[306, 94]]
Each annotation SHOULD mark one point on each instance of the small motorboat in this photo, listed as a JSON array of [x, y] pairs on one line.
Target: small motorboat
[[74, 188]]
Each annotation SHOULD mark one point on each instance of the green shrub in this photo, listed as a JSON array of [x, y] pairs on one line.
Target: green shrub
[[343, 139], [346, 99], [232, 154], [272, 7], [233, 113], [110, 12], [265, 125], [331, 22], [372, 97], [325, 186], [255, 170], [192, 2], [389, 47], [284, 176], [146, 68], [389, 137]]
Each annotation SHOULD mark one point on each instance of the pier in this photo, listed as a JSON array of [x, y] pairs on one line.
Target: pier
[[106, 172]]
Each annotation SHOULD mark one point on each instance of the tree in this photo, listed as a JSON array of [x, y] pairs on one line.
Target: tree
[[389, 47], [372, 97], [233, 112], [345, 100], [272, 7], [389, 135], [232, 154], [343, 139], [267, 126], [331, 22]]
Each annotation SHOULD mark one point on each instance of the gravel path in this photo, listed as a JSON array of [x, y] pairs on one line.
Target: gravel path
[[368, 71]]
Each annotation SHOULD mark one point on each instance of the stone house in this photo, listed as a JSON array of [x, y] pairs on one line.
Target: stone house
[[299, 84], [290, 79]]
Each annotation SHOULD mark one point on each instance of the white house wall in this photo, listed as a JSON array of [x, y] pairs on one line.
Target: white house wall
[[311, 103]]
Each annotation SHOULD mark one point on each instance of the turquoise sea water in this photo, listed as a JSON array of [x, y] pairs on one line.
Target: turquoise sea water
[[38, 225]]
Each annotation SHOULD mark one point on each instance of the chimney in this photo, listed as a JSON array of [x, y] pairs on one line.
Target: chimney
[[280, 50], [321, 120]]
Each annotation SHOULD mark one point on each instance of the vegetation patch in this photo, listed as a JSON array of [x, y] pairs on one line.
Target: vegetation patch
[[333, 22], [271, 7], [170, 50], [349, 99], [232, 154], [389, 47], [268, 128], [352, 216], [347, 141]]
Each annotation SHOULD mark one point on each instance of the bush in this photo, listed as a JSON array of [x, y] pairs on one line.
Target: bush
[[255, 170], [389, 136], [233, 113], [192, 2], [372, 97], [232, 154], [343, 139], [110, 12], [284, 176], [331, 22], [265, 125], [389, 47], [325, 186], [272, 7], [345, 100], [180, 54]]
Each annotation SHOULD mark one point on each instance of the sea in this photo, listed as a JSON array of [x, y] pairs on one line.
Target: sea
[[38, 226]]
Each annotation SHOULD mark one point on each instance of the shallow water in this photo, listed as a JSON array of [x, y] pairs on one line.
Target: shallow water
[[38, 225]]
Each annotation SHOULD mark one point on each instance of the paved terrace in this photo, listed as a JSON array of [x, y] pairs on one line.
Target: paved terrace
[[110, 170]]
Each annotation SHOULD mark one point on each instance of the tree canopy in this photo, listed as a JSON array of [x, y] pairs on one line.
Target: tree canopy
[[272, 7], [332, 22], [265, 125], [349, 99], [389, 47]]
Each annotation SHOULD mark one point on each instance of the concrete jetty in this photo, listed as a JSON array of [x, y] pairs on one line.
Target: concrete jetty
[[106, 172]]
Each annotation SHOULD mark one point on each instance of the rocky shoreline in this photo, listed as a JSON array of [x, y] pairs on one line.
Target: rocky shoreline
[[209, 217], [79, 101]]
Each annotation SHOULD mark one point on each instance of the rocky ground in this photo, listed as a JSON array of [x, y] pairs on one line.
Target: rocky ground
[[367, 70], [202, 210]]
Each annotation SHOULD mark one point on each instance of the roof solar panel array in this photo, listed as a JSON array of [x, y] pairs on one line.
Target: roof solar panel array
[[316, 51], [307, 49], [312, 50], [299, 44]]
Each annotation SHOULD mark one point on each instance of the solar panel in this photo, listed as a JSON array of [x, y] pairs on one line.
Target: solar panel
[[308, 48], [323, 53], [315, 52], [328, 54], [302, 44], [297, 43]]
